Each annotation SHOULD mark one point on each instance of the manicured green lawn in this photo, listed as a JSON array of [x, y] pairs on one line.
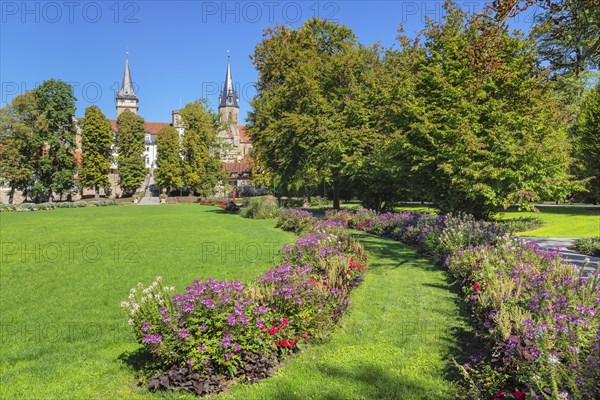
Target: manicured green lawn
[[403, 328], [63, 274], [559, 222]]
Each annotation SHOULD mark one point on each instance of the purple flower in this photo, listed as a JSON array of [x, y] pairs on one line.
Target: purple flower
[[236, 347], [154, 338], [146, 326], [260, 310], [228, 356], [226, 341], [231, 319], [183, 333]]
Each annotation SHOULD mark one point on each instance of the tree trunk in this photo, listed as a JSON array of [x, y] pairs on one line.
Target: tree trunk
[[97, 194], [336, 196]]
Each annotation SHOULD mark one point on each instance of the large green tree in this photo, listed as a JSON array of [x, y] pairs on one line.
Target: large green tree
[[310, 112], [200, 171], [587, 142], [17, 150], [485, 128], [54, 135], [169, 174], [96, 140], [130, 150]]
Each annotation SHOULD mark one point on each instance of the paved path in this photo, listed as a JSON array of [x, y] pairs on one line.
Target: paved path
[[148, 199], [574, 258]]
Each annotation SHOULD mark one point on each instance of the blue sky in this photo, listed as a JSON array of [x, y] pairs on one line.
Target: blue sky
[[177, 49]]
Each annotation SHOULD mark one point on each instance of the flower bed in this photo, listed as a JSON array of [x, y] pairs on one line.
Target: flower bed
[[216, 332], [539, 320], [538, 316]]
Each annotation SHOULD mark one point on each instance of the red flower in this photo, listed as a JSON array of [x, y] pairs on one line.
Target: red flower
[[284, 343], [520, 395], [291, 343], [272, 331], [305, 335], [477, 286], [499, 395], [297, 338], [277, 344], [285, 322]]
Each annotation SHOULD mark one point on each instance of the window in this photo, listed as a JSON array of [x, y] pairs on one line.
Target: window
[[147, 148], [147, 160]]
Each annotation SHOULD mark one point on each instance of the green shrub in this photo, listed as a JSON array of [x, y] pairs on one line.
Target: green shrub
[[294, 220], [588, 246], [521, 224], [25, 207], [260, 207], [319, 201]]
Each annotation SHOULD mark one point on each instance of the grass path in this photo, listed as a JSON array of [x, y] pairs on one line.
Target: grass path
[[404, 326]]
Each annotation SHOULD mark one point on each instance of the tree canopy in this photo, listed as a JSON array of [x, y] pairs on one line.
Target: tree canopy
[[38, 141], [96, 146], [169, 174], [130, 150], [201, 167], [464, 115]]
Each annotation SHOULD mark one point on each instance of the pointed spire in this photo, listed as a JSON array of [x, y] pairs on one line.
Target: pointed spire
[[127, 90], [228, 97]]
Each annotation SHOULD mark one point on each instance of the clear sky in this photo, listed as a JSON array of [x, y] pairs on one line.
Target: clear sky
[[177, 49]]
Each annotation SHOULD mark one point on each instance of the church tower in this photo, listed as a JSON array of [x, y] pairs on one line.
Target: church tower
[[126, 98], [228, 100]]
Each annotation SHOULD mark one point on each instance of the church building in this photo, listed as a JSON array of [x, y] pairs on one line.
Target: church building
[[239, 144]]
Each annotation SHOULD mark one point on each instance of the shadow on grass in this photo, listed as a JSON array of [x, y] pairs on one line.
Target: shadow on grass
[[138, 360], [460, 340], [377, 383]]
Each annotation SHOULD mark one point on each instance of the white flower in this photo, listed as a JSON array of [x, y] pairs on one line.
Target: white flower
[[130, 322], [552, 359]]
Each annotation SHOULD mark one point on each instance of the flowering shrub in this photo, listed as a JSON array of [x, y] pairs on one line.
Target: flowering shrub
[[353, 219], [215, 330], [297, 221], [458, 231], [540, 318]]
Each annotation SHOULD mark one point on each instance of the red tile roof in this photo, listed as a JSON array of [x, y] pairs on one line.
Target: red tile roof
[[151, 127], [244, 134], [237, 166]]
